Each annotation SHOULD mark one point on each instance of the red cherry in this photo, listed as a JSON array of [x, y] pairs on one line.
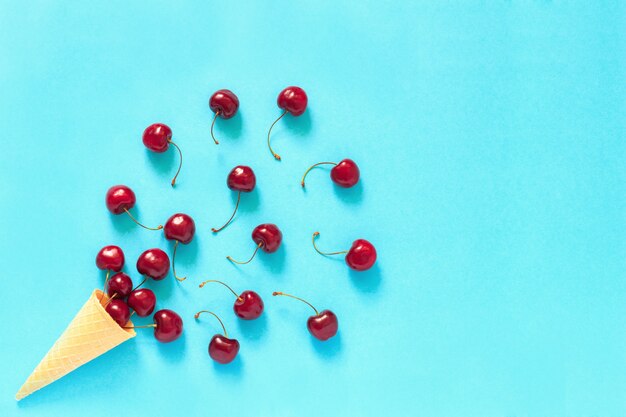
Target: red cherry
[[240, 179], [345, 174], [110, 257], [142, 301], [120, 199], [120, 284], [158, 137], [154, 263], [292, 100], [169, 326], [181, 228], [248, 305], [221, 349], [224, 103], [360, 257], [267, 237], [118, 310], [322, 325]]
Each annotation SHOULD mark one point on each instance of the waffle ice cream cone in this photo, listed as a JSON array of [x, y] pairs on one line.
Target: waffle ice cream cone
[[91, 333]]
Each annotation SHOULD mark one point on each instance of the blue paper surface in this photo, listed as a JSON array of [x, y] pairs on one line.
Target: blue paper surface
[[490, 137]]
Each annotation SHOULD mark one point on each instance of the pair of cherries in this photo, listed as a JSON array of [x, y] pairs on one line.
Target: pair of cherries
[[179, 228], [168, 325], [248, 306], [292, 100]]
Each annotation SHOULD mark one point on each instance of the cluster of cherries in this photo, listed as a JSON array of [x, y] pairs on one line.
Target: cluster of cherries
[[180, 228]]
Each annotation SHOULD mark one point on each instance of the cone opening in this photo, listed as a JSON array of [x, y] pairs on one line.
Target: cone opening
[[95, 297]]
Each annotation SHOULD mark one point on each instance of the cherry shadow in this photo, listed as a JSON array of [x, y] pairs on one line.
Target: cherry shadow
[[299, 125], [249, 201], [275, 262], [366, 281], [229, 128], [329, 349], [186, 256], [164, 162], [253, 331], [235, 368], [174, 352], [352, 195]]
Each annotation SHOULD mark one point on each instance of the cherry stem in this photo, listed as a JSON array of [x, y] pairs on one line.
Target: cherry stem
[[179, 279], [131, 314], [159, 227], [316, 234], [109, 300], [180, 164], [214, 230], [275, 293], [106, 281], [213, 124], [251, 258], [313, 166], [269, 133], [197, 315], [220, 282], [145, 326], [140, 284]]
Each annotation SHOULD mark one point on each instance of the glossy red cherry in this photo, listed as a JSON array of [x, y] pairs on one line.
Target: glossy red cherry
[[110, 257], [158, 137], [118, 310], [221, 349], [142, 301], [120, 284], [360, 257], [154, 263], [169, 326], [240, 179], [248, 305], [345, 174], [267, 237], [292, 100], [180, 228], [120, 199], [322, 325], [224, 103]]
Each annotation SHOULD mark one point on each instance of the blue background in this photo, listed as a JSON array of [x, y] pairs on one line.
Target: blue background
[[490, 137]]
